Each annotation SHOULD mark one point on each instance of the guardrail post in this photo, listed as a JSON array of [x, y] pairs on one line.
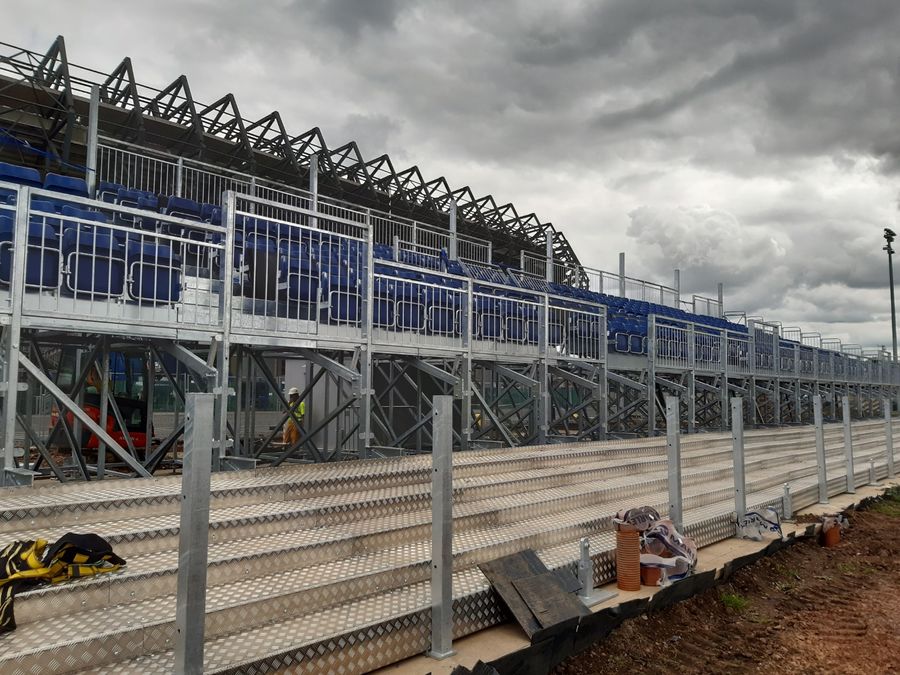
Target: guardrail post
[[737, 445], [11, 344], [453, 253], [622, 274], [179, 177], [673, 448], [872, 478], [193, 538], [91, 160], [848, 445], [888, 437], [820, 449], [442, 528]]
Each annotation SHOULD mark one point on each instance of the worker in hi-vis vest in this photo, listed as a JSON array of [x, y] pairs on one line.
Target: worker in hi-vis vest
[[292, 426]]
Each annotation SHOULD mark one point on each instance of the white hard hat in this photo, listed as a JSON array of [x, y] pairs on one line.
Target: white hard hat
[[293, 390]]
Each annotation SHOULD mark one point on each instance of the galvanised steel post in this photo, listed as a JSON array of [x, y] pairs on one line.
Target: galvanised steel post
[[848, 445], [190, 608], [90, 176], [820, 449], [737, 444], [442, 528], [673, 453], [889, 437]]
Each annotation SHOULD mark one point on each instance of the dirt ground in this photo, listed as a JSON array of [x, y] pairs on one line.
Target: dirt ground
[[807, 609]]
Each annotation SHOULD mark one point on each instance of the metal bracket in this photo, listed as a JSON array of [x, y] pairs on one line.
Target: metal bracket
[[13, 477]]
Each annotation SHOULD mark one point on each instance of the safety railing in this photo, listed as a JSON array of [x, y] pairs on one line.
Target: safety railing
[[163, 174], [505, 325], [293, 279], [738, 353], [672, 346], [706, 306], [765, 341], [8, 242], [86, 261], [577, 333], [416, 313], [788, 363]]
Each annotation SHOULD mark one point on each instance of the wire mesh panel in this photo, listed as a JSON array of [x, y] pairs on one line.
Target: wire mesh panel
[[92, 261]]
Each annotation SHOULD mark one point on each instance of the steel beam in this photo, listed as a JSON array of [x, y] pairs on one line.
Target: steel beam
[[81, 415]]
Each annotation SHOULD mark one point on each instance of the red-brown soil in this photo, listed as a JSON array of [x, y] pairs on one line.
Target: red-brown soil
[[807, 609]]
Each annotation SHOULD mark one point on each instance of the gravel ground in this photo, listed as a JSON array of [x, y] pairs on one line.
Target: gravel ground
[[807, 609]]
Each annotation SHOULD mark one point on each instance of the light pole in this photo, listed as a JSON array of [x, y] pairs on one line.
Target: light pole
[[889, 238]]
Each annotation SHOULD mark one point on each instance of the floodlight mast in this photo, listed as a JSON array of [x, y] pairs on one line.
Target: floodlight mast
[[889, 237]]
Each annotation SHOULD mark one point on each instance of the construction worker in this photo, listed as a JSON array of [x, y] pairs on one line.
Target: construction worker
[[292, 427]]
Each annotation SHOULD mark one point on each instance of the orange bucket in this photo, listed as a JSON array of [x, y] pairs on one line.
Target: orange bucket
[[628, 560], [832, 536]]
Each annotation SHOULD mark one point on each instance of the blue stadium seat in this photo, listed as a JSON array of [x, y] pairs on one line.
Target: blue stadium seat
[[42, 258], [385, 298], [487, 317], [70, 211], [300, 274], [154, 273], [383, 252], [341, 292], [24, 176], [182, 207], [94, 263], [109, 192], [43, 206], [137, 199], [68, 185]]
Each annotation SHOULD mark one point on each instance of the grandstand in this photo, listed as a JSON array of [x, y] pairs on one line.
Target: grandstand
[[151, 246], [208, 244]]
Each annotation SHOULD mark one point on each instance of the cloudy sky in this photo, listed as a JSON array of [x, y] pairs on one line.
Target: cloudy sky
[[753, 142]]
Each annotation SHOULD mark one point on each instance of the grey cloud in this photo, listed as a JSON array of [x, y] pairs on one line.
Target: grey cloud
[[613, 120]]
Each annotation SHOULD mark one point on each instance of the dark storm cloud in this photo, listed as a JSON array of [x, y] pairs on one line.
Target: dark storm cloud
[[753, 142]]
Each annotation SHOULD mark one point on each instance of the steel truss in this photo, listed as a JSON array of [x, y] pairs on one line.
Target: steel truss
[[58, 93]]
